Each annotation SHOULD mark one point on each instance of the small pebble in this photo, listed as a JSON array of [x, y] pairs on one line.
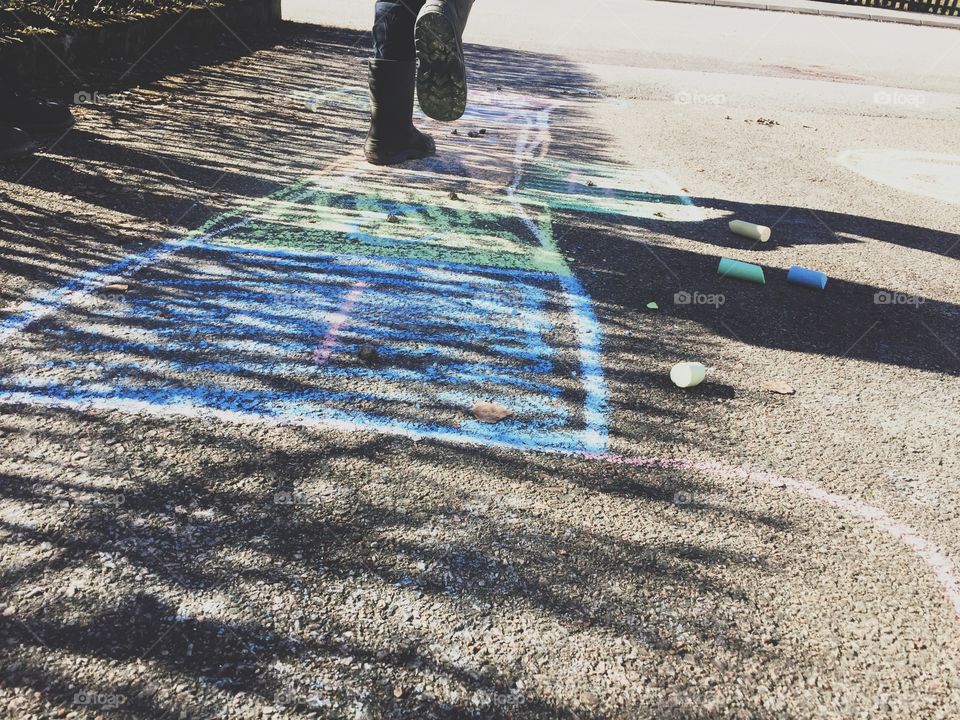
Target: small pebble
[[779, 387], [368, 354]]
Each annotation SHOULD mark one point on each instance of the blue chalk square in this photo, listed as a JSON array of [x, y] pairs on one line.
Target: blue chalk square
[[275, 335]]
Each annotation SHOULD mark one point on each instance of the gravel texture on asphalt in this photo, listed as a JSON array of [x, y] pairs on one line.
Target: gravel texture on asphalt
[[255, 482]]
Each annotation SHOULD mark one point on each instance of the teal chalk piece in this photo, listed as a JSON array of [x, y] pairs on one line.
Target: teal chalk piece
[[741, 271], [806, 277]]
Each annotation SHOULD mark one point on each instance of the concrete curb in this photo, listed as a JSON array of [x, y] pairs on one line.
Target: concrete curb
[[852, 12], [49, 59]]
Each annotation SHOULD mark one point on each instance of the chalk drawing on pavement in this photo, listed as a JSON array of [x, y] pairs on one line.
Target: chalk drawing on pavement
[[229, 322], [259, 316], [353, 218], [609, 190], [336, 99], [222, 331], [932, 175]]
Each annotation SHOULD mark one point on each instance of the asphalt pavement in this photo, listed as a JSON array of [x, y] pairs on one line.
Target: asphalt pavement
[[286, 435]]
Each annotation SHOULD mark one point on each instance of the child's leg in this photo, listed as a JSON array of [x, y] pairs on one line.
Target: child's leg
[[393, 138], [393, 29]]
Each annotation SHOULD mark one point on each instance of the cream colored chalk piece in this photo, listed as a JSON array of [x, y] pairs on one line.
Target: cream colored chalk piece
[[749, 230], [687, 374]]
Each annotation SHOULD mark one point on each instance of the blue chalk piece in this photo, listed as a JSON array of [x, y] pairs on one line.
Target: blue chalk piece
[[808, 278]]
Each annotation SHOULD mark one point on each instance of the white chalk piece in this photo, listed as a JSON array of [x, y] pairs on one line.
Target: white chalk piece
[[687, 374], [760, 233]]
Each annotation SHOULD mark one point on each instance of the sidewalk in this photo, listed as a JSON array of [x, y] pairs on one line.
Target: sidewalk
[[814, 7]]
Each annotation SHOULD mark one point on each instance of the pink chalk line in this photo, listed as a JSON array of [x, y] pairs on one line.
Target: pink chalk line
[[940, 565], [322, 354]]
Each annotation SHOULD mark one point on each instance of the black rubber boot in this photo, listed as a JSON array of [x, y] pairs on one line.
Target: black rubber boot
[[35, 116], [442, 75], [393, 139], [15, 144]]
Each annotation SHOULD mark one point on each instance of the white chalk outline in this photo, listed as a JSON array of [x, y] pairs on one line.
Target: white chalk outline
[[939, 564]]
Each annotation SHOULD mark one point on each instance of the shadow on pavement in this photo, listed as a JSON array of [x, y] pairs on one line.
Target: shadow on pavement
[[335, 571], [366, 567]]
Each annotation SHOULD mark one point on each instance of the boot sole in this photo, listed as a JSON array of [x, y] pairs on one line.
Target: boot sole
[[374, 157], [441, 75], [397, 159]]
